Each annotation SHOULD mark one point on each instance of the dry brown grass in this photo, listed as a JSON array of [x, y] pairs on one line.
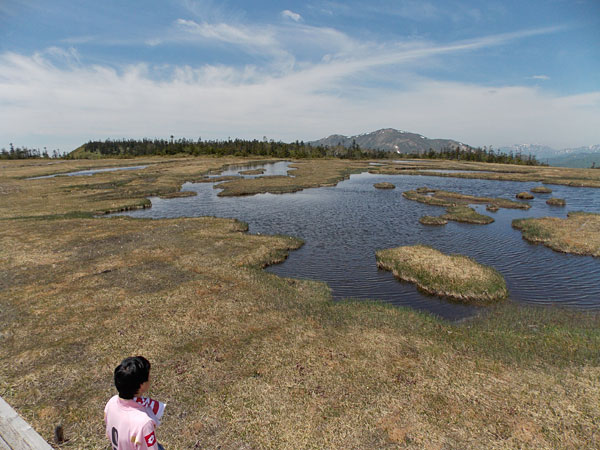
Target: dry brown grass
[[453, 276], [579, 233], [246, 359]]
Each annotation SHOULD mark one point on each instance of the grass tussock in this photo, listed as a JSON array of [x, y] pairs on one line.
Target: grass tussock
[[384, 185], [452, 276], [432, 220], [579, 233], [524, 196], [554, 201], [466, 215]]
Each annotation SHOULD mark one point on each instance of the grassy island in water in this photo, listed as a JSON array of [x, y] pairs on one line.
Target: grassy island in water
[[453, 276]]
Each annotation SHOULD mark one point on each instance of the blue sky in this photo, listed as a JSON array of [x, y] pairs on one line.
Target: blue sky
[[482, 72]]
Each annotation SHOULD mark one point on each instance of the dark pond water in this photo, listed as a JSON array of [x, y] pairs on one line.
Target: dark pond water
[[88, 172], [344, 225]]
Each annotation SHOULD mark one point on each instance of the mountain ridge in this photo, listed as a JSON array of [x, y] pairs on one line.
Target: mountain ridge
[[391, 140]]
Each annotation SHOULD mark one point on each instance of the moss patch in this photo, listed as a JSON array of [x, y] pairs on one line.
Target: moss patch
[[453, 276]]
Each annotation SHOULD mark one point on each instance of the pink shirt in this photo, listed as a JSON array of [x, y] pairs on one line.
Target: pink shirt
[[128, 427]]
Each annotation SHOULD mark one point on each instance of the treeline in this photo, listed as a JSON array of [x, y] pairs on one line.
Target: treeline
[[128, 148], [238, 147], [27, 153], [482, 155]]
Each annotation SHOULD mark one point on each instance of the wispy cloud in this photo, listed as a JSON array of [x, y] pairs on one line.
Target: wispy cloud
[[291, 15], [232, 34], [540, 77]]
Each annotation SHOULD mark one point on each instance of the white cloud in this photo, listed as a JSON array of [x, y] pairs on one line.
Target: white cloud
[[540, 77], [291, 15], [41, 94]]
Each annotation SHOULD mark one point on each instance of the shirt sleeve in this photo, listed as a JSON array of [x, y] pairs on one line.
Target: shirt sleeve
[[146, 439]]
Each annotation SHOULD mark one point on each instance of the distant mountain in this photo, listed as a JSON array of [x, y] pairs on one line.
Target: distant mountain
[[539, 151], [576, 160], [390, 140], [580, 157]]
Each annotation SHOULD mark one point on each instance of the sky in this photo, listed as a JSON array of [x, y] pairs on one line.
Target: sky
[[485, 72]]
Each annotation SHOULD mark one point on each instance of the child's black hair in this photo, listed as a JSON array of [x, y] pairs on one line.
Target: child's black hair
[[130, 375]]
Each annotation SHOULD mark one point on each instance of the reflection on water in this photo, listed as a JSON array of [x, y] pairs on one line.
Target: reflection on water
[[271, 169], [88, 172], [344, 225]]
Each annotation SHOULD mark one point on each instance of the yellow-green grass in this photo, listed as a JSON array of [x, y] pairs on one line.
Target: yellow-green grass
[[432, 220], [438, 197], [465, 214], [452, 276], [492, 208], [524, 196], [500, 172], [541, 190], [554, 201], [579, 233], [384, 185]]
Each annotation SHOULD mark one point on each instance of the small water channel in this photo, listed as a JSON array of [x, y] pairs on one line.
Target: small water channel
[[344, 225]]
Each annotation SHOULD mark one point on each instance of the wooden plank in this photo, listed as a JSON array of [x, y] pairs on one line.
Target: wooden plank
[[16, 433]]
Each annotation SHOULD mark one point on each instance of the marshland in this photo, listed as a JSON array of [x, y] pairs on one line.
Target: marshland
[[320, 348]]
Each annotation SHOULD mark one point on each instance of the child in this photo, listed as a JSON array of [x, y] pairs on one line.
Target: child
[[131, 419]]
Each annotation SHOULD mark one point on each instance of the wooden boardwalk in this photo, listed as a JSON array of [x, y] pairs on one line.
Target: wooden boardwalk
[[16, 434]]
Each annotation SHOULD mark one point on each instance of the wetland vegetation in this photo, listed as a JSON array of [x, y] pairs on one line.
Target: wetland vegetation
[[245, 358]]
